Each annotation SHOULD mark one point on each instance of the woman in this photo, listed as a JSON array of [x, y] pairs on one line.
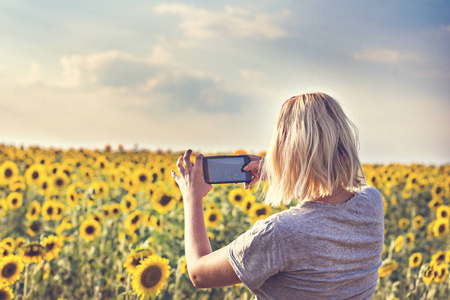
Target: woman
[[328, 246]]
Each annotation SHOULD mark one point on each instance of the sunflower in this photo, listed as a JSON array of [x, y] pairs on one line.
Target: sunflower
[[11, 268], [45, 186], [34, 228], [134, 220], [213, 217], [248, 202], [72, 198], [14, 200], [428, 274], [399, 243], [121, 279], [90, 229], [415, 260], [387, 267], [140, 178], [162, 201], [410, 238], [52, 245], [128, 203], [114, 210], [102, 163], [236, 196], [443, 212], [156, 222], [440, 228], [101, 189], [135, 258], [60, 180], [418, 221], [6, 292], [64, 232], [435, 203], [403, 223], [49, 210], [97, 217], [105, 211], [260, 211], [32, 253], [5, 251], [9, 242], [438, 189], [183, 265], [441, 273], [3, 207], [438, 258], [35, 173], [87, 174], [20, 241], [33, 211], [8, 170], [150, 276]]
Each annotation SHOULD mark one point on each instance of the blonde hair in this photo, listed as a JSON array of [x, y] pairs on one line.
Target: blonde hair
[[313, 152]]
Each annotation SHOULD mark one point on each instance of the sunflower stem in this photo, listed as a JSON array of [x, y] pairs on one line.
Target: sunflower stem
[[25, 282]]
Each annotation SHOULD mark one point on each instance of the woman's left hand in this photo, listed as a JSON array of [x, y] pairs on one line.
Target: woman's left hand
[[191, 181]]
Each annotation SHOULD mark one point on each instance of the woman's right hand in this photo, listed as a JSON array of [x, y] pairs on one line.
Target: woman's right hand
[[255, 166]]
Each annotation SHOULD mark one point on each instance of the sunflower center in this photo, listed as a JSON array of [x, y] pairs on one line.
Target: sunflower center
[[115, 211], [50, 210], [237, 198], [151, 276], [102, 165], [135, 261], [212, 218], [59, 211], [165, 200], [72, 198], [444, 214], [438, 190], [248, 206], [9, 270], [44, 185], [128, 204], [14, 201], [50, 246], [59, 182], [441, 228], [33, 211], [35, 175], [135, 219], [31, 252], [142, 178], [416, 259], [261, 212], [90, 229], [8, 173], [35, 227]]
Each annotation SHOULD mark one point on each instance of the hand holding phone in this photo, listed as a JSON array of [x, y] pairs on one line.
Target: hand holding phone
[[226, 169]]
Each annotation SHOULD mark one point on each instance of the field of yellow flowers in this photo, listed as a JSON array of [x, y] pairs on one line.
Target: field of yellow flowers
[[91, 224]]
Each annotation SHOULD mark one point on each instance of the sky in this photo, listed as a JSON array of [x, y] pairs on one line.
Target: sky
[[212, 75]]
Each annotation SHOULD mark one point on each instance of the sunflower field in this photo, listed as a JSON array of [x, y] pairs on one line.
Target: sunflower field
[[104, 224]]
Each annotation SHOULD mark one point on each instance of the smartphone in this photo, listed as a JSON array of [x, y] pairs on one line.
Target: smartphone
[[226, 169]]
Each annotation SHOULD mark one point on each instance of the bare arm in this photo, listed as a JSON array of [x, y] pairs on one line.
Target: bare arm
[[206, 269]]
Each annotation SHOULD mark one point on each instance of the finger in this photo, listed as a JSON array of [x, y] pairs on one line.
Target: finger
[[251, 166], [198, 165], [246, 185], [187, 160], [175, 176], [180, 165]]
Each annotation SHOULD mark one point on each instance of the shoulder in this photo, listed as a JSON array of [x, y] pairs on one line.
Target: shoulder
[[371, 192]]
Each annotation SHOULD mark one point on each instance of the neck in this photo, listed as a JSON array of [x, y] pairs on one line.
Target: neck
[[338, 197]]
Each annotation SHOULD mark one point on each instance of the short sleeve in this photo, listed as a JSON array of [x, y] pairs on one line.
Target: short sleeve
[[256, 254]]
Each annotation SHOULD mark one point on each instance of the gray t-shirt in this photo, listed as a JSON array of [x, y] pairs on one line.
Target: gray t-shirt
[[314, 250]]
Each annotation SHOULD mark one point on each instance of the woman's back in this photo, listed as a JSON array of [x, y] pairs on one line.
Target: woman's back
[[315, 250]]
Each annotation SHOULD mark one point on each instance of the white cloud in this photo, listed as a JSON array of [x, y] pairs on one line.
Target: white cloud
[[385, 56], [251, 74], [230, 22]]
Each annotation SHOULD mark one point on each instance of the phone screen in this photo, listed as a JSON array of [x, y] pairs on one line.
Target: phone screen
[[226, 169]]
